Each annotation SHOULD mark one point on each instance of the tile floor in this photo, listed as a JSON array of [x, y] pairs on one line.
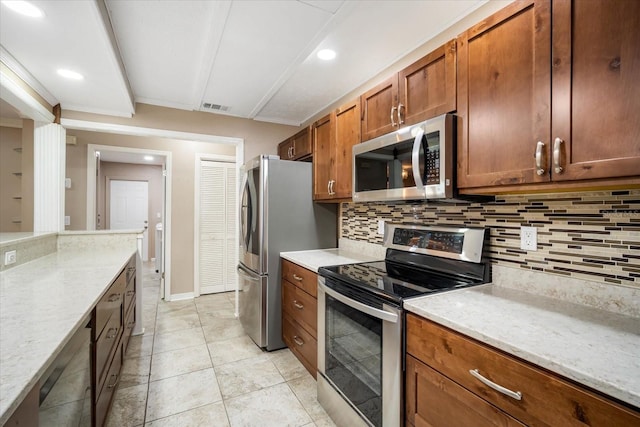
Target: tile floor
[[194, 366]]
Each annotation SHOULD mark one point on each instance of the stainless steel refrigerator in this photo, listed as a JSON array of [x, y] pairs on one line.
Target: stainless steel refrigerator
[[277, 214]]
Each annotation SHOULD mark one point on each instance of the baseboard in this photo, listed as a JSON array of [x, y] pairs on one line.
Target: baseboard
[[180, 297]]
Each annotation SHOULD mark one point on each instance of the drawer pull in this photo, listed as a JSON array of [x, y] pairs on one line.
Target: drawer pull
[[298, 305], [298, 341], [115, 332], [114, 297], [513, 394], [129, 293], [115, 383], [296, 277]]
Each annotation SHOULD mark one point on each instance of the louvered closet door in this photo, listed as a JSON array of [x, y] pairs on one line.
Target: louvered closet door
[[217, 229]]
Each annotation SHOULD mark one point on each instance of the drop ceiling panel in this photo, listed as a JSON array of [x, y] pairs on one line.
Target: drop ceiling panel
[[364, 49], [163, 45], [261, 41], [70, 35]]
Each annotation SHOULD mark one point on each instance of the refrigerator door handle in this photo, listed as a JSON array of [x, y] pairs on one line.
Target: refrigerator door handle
[[245, 273]]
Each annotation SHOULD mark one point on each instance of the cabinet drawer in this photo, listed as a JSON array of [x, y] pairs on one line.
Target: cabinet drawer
[[110, 302], [301, 277], [546, 398], [301, 306], [436, 401], [131, 268], [105, 346], [303, 345], [129, 324], [105, 396]]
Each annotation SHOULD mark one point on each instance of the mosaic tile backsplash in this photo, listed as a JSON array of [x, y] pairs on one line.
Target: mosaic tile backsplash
[[588, 235]]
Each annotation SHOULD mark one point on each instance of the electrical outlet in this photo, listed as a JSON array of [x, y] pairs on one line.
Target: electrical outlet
[[380, 226], [529, 238], [10, 257]]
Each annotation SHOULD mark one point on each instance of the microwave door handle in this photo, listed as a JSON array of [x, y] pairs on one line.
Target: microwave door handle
[[415, 158], [372, 311]]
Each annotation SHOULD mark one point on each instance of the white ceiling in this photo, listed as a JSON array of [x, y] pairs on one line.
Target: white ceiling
[[255, 57]]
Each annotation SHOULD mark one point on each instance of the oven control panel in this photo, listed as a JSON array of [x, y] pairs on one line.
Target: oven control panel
[[465, 244]]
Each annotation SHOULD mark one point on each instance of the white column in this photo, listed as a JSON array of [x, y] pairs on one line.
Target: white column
[[48, 177]]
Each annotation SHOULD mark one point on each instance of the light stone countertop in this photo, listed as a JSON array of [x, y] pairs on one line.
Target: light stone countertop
[[314, 259], [597, 348], [42, 304]]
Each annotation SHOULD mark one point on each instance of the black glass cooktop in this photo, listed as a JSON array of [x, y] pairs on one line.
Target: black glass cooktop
[[396, 281]]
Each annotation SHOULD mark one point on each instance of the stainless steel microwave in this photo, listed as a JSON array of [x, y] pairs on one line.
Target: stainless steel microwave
[[412, 163]]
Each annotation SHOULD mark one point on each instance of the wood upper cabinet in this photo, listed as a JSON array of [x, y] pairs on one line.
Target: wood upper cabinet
[[596, 94], [504, 96], [541, 102], [334, 137], [297, 147], [425, 89]]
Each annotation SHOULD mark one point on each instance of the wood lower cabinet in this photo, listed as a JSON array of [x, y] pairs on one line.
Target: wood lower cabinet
[[300, 313], [334, 138], [424, 89], [297, 147], [112, 322], [547, 92], [443, 369]]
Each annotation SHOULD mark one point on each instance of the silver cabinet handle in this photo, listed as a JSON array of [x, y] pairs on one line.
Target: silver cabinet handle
[[298, 341], [393, 109], [113, 297], [513, 394], [113, 334], [293, 151], [539, 148], [298, 278], [115, 383], [400, 108], [556, 155], [333, 181], [297, 305], [329, 187]]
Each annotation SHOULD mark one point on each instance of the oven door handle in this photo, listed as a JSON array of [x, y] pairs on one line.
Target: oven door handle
[[377, 313]]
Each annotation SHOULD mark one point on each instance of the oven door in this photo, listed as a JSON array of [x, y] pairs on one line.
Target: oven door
[[359, 357]]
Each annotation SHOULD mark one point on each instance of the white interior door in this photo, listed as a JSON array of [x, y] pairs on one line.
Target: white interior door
[[216, 233], [129, 208]]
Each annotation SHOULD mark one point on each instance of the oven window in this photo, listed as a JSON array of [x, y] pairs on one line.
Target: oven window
[[353, 359]]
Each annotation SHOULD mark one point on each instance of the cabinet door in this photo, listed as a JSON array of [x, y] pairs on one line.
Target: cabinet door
[[434, 400], [301, 143], [346, 134], [322, 158], [504, 96], [379, 109], [596, 94], [427, 88], [285, 149]]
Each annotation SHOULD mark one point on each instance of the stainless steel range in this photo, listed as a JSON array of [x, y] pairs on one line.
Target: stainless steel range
[[361, 321]]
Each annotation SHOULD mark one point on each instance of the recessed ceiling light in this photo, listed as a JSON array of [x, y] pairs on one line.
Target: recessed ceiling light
[[70, 74], [24, 8], [148, 158], [326, 54]]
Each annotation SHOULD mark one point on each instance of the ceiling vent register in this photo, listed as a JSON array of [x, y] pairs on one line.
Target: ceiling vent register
[[214, 107]]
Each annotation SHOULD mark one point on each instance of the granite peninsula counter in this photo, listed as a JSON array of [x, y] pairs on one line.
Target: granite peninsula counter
[[44, 302]]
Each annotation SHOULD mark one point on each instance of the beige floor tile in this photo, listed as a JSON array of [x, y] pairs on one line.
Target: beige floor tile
[[68, 389], [128, 406], [213, 415], [140, 345], [223, 329], [135, 371], [165, 307], [288, 365], [178, 362], [176, 323], [305, 389], [275, 406], [213, 299], [178, 339], [325, 422], [212, 316], [232, 350], [244, 376], [182, 393], [178, 312]]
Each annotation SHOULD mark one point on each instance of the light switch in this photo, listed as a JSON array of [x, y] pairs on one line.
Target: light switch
[[67, 183], [380, 226], [67, 220]]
